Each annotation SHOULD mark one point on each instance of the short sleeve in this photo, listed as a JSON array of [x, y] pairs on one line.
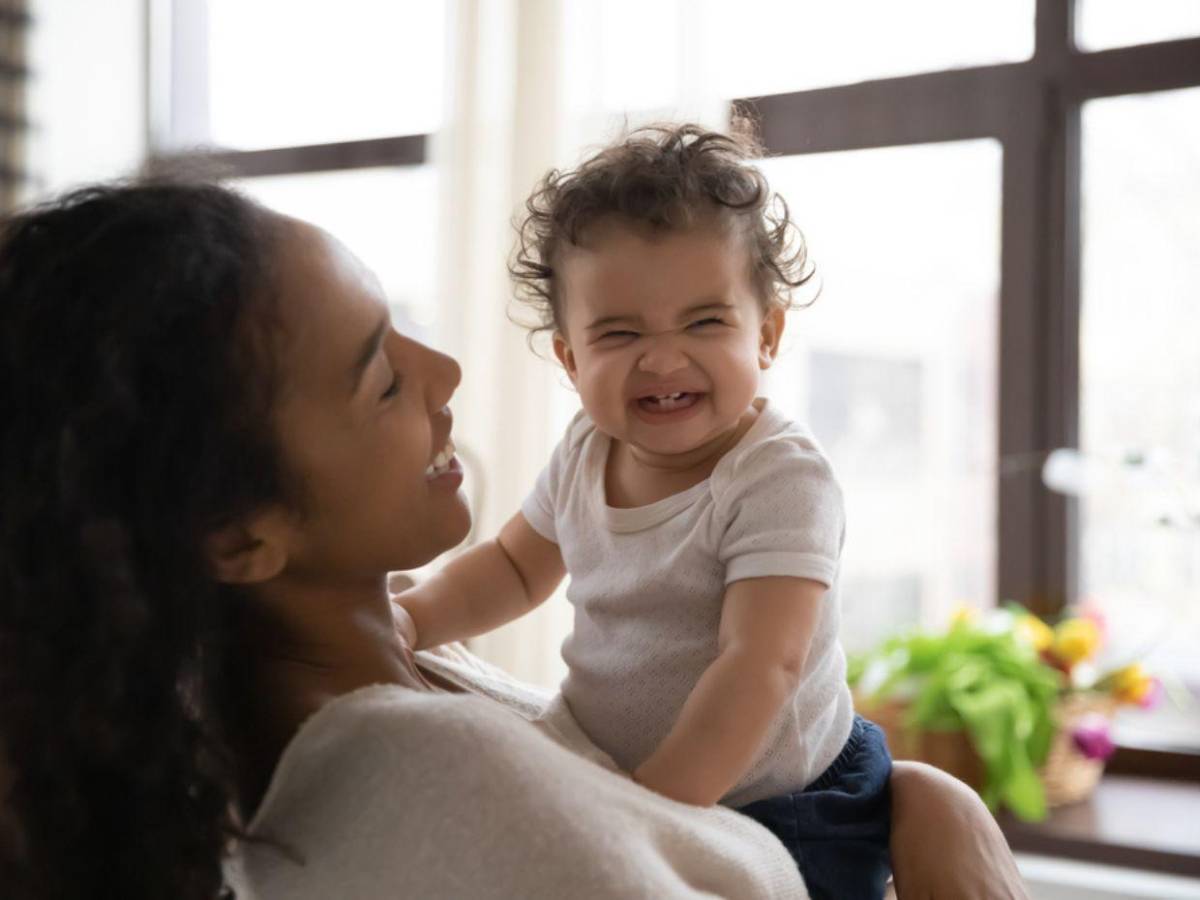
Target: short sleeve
[[783, 515], [542, 504], [538, 508]]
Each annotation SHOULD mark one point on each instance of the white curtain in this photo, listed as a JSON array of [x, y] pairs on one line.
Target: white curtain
[[533, 85]]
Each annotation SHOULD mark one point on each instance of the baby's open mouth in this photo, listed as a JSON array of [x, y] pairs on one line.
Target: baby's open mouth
[[661, 403]]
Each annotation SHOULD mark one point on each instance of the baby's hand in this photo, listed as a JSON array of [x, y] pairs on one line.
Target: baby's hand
[[405, 625], [398, 582]]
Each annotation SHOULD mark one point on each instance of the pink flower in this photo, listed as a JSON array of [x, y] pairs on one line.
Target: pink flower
[[1092, 738], [1090, 609], [1153, 694]]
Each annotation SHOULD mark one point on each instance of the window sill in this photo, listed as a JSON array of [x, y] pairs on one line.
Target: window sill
[[1136, 822]]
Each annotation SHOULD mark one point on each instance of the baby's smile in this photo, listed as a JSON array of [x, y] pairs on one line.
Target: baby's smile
[[660, 407]]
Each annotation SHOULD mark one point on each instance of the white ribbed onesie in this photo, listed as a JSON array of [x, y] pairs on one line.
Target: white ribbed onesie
[[647, 586]]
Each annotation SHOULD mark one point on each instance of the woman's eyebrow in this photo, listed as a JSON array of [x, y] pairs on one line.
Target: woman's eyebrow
[[369, 348]]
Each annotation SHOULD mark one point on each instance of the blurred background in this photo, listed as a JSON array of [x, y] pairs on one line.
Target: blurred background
[[1002, 199]]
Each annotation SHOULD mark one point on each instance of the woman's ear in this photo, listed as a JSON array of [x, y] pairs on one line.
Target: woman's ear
[[566, 356], [769, 337], [250, 551]]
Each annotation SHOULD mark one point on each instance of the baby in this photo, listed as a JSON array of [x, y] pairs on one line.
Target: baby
[[701, 528]]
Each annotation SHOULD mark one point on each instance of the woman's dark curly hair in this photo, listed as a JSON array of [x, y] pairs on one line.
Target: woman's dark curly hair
[[136, 385], [664, 178]]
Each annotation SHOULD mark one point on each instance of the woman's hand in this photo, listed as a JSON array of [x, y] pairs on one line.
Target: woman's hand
[[945, 843]]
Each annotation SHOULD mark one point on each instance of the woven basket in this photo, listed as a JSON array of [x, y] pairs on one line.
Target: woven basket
[[1067, 775]]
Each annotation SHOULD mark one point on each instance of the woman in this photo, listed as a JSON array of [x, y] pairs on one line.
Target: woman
[[215, 449]]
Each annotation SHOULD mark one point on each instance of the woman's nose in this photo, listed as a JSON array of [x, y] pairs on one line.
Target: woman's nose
[[662, 356], [445, 375]]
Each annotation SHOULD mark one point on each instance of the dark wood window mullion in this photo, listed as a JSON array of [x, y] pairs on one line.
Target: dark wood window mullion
[[1021, 377], [1052, 123]]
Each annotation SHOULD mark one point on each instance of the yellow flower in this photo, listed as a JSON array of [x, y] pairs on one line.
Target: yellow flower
[[964, 615], [1076, 640], [1034, 632], [1132, 684]]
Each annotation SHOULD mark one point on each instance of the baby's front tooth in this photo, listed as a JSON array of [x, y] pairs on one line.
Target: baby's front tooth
[[440, 460], [428, 471]]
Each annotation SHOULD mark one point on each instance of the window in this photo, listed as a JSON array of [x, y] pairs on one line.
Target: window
[[813, 45], [1089, 310], [1140, 386], [1104, 24], [893, 367], [318, 113]]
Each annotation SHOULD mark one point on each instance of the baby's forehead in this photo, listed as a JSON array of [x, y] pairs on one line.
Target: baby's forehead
[[627, 257], [703, 223]]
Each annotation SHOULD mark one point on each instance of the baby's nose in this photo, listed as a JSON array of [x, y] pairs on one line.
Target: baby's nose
[[662, 357]]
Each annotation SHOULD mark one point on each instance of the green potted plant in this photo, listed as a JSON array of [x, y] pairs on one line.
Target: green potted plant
[[1010, 705]]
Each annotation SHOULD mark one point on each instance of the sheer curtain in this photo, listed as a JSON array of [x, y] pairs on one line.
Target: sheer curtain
[[535, 84]]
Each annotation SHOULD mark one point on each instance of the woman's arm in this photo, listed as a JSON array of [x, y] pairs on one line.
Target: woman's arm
[[945, 843], [391, 793]]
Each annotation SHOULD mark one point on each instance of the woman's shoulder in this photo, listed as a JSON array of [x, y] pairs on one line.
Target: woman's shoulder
[[370, 726]]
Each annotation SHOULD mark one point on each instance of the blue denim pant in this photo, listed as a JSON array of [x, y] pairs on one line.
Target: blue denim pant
[[837, 828]]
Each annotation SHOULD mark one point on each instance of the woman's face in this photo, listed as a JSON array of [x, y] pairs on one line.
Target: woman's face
[[362, 416]]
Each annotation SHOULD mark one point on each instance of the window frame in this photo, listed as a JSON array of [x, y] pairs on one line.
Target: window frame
[[1033, 108]]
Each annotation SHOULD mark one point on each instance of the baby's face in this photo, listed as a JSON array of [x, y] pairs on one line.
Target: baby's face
[[664, 338]]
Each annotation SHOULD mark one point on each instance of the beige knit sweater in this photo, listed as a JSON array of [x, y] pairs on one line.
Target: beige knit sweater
[[388, 792]]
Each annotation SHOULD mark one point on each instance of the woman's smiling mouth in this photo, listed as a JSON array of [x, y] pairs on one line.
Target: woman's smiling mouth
[[445, 468]]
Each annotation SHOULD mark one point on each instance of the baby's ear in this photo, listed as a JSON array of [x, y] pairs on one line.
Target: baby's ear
[[770, 335], [250, 551], [566, 356]]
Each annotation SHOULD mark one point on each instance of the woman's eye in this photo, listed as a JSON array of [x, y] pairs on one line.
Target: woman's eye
[[393, 388]]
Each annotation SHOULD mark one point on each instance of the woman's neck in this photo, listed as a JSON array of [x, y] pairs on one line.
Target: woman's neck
[[311, 644], [345, 631]]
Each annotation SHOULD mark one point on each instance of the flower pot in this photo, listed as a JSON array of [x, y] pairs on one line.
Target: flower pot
[[1067, 775]]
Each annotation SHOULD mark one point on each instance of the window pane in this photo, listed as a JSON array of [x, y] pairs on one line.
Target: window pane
[[387, 217], [766, 47], [894, 368], [1101, 24], [1140, 387], [674, 57], [295, 72]]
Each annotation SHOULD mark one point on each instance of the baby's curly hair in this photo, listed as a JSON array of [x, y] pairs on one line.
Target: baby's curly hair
[[665, 177]]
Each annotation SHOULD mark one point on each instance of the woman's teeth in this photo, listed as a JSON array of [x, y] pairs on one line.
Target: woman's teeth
[[441, 462]]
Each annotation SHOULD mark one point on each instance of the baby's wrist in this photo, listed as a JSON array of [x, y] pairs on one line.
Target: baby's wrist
[[406, 626]]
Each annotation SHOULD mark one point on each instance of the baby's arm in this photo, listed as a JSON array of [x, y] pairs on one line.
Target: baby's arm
[[488, 585], [766, 630]]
